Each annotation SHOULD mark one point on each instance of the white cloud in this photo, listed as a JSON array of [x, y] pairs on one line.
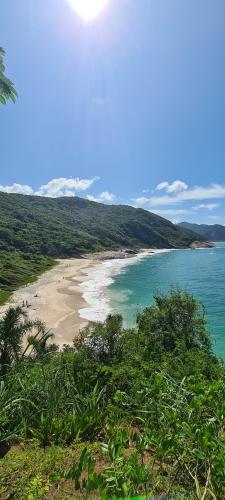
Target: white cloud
[[162, 185], [104, 196], [204, 193], [141, 201], [17, 188], [61, 187], [206, 206], [170, 212], [162, 200], [64, 187], [213, 191], [90, 197], [54, 188], [174, 187]]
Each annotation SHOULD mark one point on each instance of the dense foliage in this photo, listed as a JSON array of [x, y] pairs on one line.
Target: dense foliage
[[121, 413], [35, 230], [212, 232], [7, 90]]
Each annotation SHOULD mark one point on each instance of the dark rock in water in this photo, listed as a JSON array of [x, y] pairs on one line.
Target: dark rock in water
[[4, 448]]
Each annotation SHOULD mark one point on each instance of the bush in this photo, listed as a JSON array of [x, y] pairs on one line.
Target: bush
[[152, 398]]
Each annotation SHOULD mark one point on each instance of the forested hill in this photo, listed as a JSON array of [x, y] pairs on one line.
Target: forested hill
[[65, 227], [35, 230], [214, 232]]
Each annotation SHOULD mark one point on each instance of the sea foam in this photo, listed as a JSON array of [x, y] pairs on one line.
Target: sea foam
[[94, 288]]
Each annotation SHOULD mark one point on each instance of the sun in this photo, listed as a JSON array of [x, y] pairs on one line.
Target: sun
[[88, 9]]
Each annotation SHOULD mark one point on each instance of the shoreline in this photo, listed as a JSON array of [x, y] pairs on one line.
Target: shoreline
[[55, 298], [101, 276], [71, 294]]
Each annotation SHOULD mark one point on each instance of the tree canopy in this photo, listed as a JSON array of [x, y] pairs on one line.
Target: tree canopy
[[7, 90]]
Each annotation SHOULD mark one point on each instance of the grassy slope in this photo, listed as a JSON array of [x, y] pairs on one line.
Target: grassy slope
[[30, 472], [17, 269], [35, 230]]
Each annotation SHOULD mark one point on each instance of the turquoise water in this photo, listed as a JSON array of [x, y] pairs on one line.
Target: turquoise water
[[201, 272]]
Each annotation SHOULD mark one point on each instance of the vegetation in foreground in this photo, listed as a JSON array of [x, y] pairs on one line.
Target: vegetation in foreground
[[7, 90], [35, 230], [119, 414]]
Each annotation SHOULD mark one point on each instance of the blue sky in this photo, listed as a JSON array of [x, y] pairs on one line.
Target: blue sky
[[129, 108]]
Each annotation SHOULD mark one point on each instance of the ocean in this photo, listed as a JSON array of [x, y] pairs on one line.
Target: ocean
[[128, 286]]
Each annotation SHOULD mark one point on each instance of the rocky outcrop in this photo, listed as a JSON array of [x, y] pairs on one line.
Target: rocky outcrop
[[201, 244]]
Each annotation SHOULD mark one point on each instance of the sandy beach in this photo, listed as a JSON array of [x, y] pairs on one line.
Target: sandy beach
[[58, 297]]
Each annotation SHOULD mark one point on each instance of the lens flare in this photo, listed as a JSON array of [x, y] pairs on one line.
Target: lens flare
[[88, 9]]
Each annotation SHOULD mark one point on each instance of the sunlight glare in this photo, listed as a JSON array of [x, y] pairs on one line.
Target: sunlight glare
[[88, 9]]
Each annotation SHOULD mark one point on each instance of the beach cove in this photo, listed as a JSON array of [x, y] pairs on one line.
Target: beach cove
[[74, 292], [85, 289], [55, 299]]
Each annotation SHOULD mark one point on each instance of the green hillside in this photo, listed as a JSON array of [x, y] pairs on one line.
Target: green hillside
[[212, 232], [35, 230]]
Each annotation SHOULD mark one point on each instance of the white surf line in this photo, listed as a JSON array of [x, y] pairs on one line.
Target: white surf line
[[100, 278]]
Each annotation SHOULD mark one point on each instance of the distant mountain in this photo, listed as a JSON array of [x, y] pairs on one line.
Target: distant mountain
[[36, 230], [214, 232]]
